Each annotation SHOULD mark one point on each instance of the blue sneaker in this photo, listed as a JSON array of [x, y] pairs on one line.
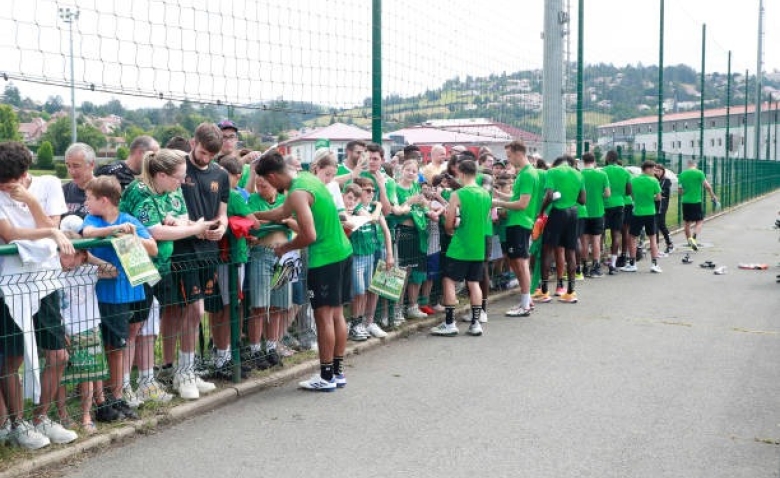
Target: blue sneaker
[[317, 384], [341, 380]]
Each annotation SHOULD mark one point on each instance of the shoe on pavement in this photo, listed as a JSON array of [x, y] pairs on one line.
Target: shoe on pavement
[[105, 413], [656, 269], [518, 312], [596, 273], [669, 248], [427, 310], [612, 270], [55, 432], [356, 334], [5, 430], [629, 268], [445, 330], [475, 329], [341, 380], [438, 308], [621, 261], [121, 406], [165, 375], [579, 276], [541, 297], [376, 331], [130, 397], [318, 384], [184, 385], [152, 391], [568, 298], [687, 259], [415, 313], [24, 435], [720, 271], [694, 245], [225, 372], [559, 291]]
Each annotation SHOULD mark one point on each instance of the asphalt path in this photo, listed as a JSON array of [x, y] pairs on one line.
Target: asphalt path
[[649, 375]]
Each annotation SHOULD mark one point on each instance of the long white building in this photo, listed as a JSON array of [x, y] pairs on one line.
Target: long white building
[[681, 134]]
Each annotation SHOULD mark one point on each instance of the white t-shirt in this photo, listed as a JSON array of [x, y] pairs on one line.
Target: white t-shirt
[[335, 191], [78, 303]]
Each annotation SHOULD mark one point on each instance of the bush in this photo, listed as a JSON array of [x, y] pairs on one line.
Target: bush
[[46, 156], [122, 153], [61, 170]]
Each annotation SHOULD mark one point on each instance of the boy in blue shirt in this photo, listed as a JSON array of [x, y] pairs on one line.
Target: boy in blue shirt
[[123, 308]]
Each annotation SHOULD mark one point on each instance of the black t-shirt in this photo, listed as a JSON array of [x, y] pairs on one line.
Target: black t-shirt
[[74, 198], [204, 190], [119, 170]]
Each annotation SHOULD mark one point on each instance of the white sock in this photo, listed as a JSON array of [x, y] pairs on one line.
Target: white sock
[[222, 357], [255, 348], [186, 361], [270, 344], [525, 301], [126, 380], [145, 375], [613, 260]]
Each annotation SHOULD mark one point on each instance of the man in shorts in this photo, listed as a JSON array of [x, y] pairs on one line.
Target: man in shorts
[[563, 189], [522, 208], [194, 262], [466, 252], [619, 187], [690, 183], [597, 190], [329, 274], [646, 190]]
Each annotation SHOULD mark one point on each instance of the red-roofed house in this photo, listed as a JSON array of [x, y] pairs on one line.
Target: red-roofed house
[[31, 132], [339, 134]]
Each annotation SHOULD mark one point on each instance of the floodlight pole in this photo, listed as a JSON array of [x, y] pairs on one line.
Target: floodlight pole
[[69, 16]]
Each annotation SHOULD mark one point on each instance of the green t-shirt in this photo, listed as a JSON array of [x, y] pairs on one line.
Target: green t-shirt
[[527, 182], [644, 188], [245, 171], [618, 178], [331, 244], [468, 241], [364, 239], [237, 206], [540, 189], [342, 170], [567, 181], [402, 194], [691, 181], [596, 182], [257, 203], [151, 209]]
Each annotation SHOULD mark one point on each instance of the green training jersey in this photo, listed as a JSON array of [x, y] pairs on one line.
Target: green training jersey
[[618, 178], [468, 241], [151, 209], [540, 189], [245, 171], [527, 182], [364, 239], [691, 181], [257, 203], [644, 189], [331, 244], [567, 181], [596, 182]]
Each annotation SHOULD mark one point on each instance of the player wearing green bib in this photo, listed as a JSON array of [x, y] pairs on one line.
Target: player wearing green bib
[[330, 261], [646, 190], [620, 187], [522, 210], [690, 183], [597, 191], [564, 190], [466, 252]]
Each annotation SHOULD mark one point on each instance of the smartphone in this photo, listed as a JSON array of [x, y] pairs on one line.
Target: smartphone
[[214, 226]]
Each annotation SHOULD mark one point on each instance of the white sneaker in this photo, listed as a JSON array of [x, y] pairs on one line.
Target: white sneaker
[[360, 329], [25, 436], [629, 268], [656, 268], [317, 384], [55, 432], [184, 385], [203, 386], [518, 312], [130, 397], [415, 313], [445, 330], [152, 391], [475, 329], [5, 430], [483, 317], [438, 308], [376, 331]]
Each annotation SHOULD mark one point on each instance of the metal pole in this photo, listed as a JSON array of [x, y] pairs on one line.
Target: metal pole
[[776, 104], [69, 16], [768, 130], [554, 114], [745, 118], [376, 72], [729, 144], [659, 149], [759, 79], [701, 107], [580, 66]]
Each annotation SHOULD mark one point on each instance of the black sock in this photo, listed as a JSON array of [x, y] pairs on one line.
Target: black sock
[[571, 286], [632, 261], [560, 283], [544, 287], [655, 261], [338, 365], [449, 314], [326, 371], [476, 311], [484, 305], [694, 236]]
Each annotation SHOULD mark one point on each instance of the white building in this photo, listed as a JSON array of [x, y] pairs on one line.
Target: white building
[[681, 133], [338, 134]]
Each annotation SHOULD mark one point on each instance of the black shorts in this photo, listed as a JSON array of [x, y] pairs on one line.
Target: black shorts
[[646, 222], [613, 218], [47, 322], [488, 247], [628, 214], [593, 226], [115, 320], [330, 285], [163, 290], [518, 239], [561, 228], [407, 239], [470, 271], [196, 279], [692, 212], [580, 226]]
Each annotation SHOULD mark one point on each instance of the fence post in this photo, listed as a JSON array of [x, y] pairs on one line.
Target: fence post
[[235, 334], [679, 197]]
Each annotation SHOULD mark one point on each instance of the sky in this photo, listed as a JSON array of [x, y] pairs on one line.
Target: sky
[[146, 52]]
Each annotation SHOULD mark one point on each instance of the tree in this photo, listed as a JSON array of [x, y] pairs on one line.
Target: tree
[[45, 156], [122, 153], [91, 135], [12, 96], [164, 133], [9, 124], [132, 132], [113, 107], [53, 104], [88, 108], [58, 134]]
